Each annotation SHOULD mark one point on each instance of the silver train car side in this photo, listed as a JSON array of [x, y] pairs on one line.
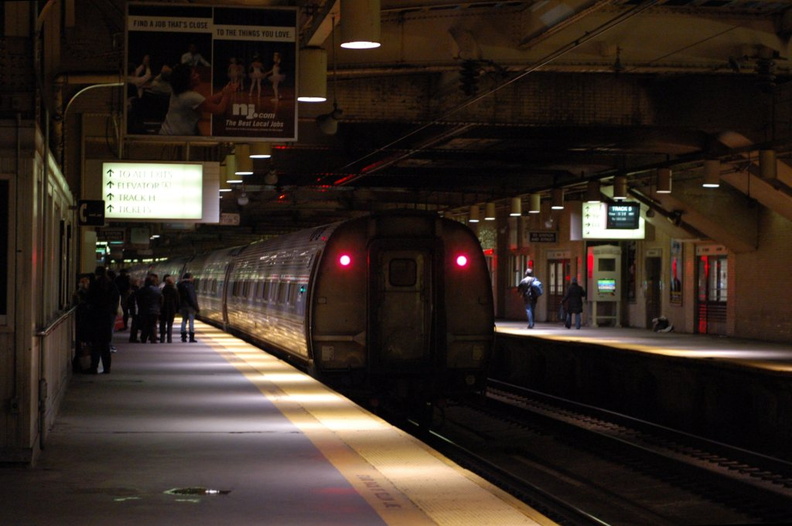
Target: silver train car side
[[395, 304]]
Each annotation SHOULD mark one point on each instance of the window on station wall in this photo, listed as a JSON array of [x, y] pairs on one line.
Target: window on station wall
[[5, 223], [519, 262]]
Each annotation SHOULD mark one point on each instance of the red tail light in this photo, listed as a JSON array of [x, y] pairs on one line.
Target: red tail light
[[344, 260], [461, 261]]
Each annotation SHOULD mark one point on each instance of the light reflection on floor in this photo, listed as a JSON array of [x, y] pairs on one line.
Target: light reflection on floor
[[369, 452]]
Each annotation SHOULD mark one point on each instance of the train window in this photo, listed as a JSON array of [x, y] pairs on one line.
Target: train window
[[293, 290], [282, 293], [265, 292], [402, 272]]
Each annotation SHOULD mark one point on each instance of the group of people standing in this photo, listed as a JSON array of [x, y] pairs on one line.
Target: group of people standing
[[145, 309], [154, 306]]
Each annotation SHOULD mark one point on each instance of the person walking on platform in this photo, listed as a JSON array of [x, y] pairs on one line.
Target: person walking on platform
[[103, 298], [530, 288], [573, 303], [170, 305], [188, 306], [149, 301]]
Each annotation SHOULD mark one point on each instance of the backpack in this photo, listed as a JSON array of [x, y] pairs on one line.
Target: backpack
[[537, 289]]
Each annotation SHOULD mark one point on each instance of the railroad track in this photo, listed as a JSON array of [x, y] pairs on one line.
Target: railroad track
[[583, 465]]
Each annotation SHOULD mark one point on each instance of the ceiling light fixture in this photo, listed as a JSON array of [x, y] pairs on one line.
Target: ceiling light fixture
[[313, 75], [244, 164], [535, 205], [231, 166], [712, 169], [489, 212], [261, 150], [271, 178], [516, 207], [593, 192], [620, 188], [473, 216], [557, 199], [360, 24], [664, 181], [767, 164]]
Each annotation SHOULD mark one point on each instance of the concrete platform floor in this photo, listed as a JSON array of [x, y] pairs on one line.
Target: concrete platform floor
[[218, 432]]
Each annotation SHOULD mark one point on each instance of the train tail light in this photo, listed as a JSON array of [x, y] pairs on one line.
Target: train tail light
[[344, 260], [461, 260]]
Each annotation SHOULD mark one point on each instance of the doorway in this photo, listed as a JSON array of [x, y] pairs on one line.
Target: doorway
[[711, 294], [654, 304], [557, 283]]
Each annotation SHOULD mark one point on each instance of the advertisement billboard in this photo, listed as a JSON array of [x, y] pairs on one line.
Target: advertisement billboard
[[216, 73]]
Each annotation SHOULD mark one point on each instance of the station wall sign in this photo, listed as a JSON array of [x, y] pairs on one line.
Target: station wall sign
[[146, 191], [90, 212]]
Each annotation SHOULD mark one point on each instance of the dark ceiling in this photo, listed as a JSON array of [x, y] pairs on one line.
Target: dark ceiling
[[564, 92]]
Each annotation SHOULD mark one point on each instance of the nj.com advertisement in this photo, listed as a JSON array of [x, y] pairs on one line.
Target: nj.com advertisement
[[217, 73]]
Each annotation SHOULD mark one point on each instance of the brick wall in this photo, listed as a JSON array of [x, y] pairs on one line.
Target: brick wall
[[763, 278]]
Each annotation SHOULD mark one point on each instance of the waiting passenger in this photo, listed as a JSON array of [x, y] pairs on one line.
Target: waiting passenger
[[149, 301], [188, 306], [82, 320], [170, 305], [103, 298], [132, 309], [573, 303]]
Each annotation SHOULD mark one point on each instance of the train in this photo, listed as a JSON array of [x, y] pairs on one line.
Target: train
[[391, 305]]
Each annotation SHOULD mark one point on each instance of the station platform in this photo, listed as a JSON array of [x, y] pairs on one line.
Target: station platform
[[219, 432], [731, 390], [769, 356]]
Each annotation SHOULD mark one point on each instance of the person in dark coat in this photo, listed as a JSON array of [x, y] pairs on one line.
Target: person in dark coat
[[188, 306], [170, 306], [132, 310], [573, 303], [124, 285], [149, 302], [526, 289], [103, 298], [82, 319]]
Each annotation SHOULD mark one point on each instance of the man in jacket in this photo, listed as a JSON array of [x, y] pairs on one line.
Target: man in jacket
[[526, 287], [188, 306]]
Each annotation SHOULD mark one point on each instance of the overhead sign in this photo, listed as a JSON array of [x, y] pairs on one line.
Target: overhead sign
[[595, 222], [233, 71], [90, 212], [139, 191]]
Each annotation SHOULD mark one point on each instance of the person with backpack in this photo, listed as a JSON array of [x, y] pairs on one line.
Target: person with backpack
[[530, 288]]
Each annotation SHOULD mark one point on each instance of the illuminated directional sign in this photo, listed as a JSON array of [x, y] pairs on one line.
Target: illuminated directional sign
[[152, 190], [596, 224]]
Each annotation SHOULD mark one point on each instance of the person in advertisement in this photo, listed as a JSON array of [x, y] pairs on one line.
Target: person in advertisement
[[187, 106]]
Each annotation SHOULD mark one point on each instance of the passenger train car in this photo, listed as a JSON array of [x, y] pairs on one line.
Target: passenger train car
[[395, 304]]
